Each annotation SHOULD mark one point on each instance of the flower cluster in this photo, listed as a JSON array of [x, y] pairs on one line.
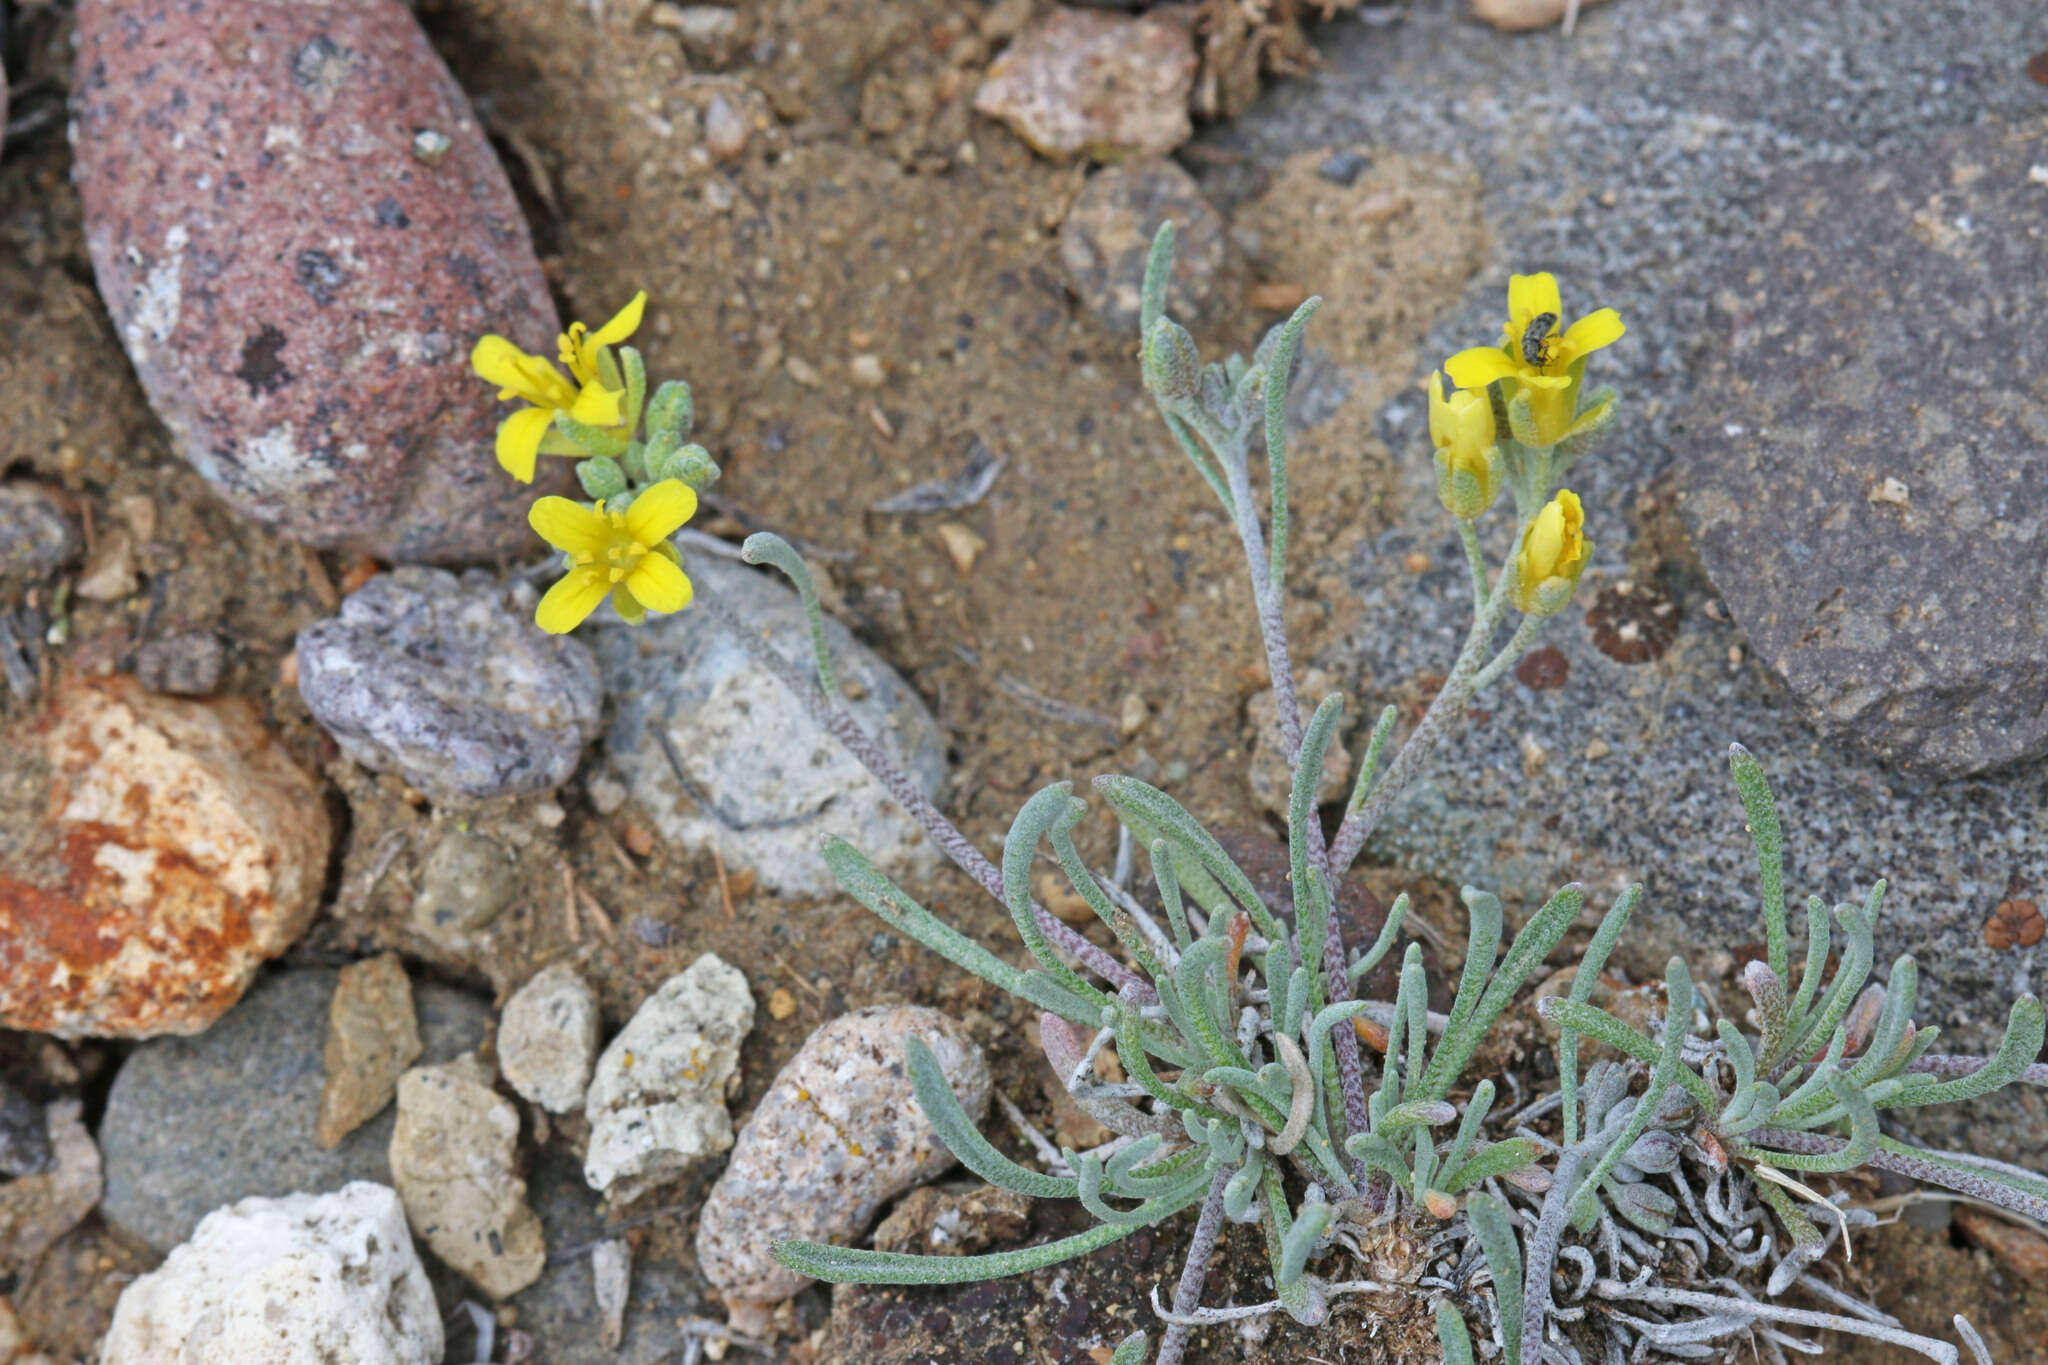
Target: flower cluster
[[1532, 384], [642, 490]]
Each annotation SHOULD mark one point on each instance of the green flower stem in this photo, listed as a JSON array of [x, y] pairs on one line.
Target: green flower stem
[[1475, 560], [1517, 645], [1446, 709], [765, 547]]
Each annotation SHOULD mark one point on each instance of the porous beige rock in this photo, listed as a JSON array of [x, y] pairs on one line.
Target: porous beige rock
[[838, 1134], [183, 848], [452, 1159], [657, 1102], [547, 1039]]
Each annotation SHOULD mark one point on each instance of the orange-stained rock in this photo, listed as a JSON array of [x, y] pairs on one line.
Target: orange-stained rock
[[187, 848]]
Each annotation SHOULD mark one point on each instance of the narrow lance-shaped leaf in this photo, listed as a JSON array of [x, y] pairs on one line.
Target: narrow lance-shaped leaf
[[1583, 981], [1279, 371], [935, 1096], [1768, 837], [1494, 1227]]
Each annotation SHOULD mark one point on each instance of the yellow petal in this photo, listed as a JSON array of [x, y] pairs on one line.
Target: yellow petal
[[570, 526], [1544, 545], [598, 406], [657, 513], [624, 323], [1439, 413], [657, 583], [519, 440], [1480, 366], [1592, 332], [570, 601], [1473, 422], [1528, 297], [517, 374], [1568, 506]]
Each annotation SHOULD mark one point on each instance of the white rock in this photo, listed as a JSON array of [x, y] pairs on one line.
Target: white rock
[[302, 1280], [720, 754], [547, 1039], [838, 1134], [657, 1103], [453, 1159]]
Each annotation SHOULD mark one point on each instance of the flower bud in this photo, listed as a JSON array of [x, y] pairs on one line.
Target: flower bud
[[1553, 555], [601, 477], [1467, 460], [1172, 365], [671, 412]]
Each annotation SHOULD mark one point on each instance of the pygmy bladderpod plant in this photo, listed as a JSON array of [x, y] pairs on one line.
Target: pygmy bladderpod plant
[[1673, 1183]]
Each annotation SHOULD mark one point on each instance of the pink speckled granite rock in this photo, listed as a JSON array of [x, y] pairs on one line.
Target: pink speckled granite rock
[[838, 1134], [298, 290]]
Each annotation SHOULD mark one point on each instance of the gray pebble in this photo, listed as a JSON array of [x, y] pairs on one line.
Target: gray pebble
[[447, 682], [720, 754], [467, 882], [37, 536], [1107, 236], [188, 665]]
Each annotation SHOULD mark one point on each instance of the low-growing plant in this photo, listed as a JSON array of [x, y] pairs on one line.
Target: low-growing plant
[[1671, 1186]]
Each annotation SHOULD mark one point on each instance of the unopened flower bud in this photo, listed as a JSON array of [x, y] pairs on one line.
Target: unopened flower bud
[[1554, 554], [1172, 364], [1467, 460]]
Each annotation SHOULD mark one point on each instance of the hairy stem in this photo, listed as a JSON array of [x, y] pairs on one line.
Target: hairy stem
[[944, 833], [1187, 1295]]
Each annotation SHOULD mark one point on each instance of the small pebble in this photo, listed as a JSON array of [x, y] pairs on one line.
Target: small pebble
[[109, 572], [866, 370], [803, 372], [637, 840], [1132, 714], [652, 932], [962, 545], [430, 146], [1344, 167], [725, 132], [1534, 756], [36, 533], [547, 1039], [656, 1104], [1597, 749], [1415, 562], [468, 882], [781, 1004], [182, 665], [836, 1136]]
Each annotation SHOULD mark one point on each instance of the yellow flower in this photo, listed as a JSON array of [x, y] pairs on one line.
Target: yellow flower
[[1537, 354], [584, 396], [1554, 554], [1467, 460], [625, 554]]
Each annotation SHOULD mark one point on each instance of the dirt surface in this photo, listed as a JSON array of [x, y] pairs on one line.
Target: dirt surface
[[869, 212]]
